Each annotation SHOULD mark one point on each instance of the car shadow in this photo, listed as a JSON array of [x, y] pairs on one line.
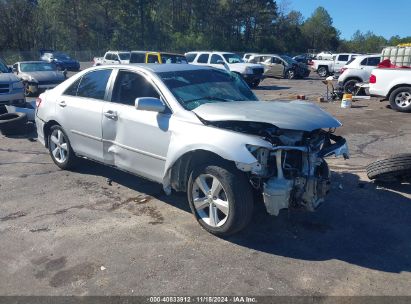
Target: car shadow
[[132, 182], [360, 223]]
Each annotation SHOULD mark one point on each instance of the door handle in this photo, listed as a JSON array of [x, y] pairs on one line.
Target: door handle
[[62, 104], [111, 114]]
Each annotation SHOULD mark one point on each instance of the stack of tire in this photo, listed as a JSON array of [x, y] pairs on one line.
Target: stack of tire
[[13, 123]]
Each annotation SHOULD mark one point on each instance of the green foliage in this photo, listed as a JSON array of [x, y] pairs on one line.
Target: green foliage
[[171, 25]]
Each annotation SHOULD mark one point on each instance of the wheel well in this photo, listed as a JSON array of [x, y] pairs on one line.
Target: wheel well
[[396, 87], [323, 66], [182, 168], [352, 78], [47, 128]]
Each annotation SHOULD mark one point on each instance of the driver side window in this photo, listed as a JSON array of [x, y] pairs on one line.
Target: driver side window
[[276, 60], [129, 86]]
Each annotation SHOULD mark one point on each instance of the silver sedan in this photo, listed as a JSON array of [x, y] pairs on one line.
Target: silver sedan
[[194, 129]]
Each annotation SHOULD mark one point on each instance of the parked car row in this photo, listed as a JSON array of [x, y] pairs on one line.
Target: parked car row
[[280, 66]]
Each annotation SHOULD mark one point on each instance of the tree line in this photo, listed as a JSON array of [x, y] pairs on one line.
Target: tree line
[[174, 25]]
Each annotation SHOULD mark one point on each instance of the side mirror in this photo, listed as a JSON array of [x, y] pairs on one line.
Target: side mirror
[[150, 104], [10, 70], [65, 73], [15, 70]]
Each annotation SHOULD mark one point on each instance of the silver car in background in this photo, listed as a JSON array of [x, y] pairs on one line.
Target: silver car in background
[[38, 76], [194, 129]]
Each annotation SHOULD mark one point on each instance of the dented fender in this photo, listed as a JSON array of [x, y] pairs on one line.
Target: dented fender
[[192, 136]]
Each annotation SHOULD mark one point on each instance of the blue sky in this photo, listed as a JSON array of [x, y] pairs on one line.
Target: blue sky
[[383, 17]]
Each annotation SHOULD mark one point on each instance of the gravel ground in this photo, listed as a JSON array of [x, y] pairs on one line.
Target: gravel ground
[[75, 233]]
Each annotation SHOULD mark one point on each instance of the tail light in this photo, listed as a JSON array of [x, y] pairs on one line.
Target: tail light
[[373, 79], [38, 101], [342, 70]]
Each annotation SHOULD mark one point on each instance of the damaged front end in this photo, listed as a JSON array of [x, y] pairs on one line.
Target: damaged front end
[[293, 172]]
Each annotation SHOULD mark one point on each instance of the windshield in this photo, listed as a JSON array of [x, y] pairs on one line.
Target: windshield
[[288, 59], [37, 66], [196, 87], [3, 67], [233, 58], [124, 56], [61, 56], [171, 58]]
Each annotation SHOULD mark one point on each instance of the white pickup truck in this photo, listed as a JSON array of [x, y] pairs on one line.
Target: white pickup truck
[[394, 85], [329, 67], [112, 57]]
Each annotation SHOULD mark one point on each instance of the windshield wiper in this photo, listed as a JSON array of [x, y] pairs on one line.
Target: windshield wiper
[[209, 98]]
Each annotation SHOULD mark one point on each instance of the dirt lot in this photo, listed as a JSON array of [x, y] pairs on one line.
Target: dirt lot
[[75, 233]]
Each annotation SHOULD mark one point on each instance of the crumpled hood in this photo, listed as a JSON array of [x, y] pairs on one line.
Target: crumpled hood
[[8, 77], [294, 115], [43, 75]]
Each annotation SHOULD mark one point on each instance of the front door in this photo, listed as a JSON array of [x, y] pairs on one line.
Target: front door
[[275, 68], [79, 112], [134, 140]]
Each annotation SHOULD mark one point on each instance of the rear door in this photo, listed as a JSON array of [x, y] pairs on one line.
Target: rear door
[[134, 140], [79, 111]]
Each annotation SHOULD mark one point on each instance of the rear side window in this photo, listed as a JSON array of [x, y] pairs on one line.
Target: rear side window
[[93, 84], [138, 58], [343, 58], [215, 58], [191, 57], [373, 61], [129, 86], [203, 58]]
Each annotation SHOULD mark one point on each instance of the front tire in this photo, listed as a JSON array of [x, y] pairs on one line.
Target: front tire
[[220, 198], [60, 149], [290, 74], [400, 99]]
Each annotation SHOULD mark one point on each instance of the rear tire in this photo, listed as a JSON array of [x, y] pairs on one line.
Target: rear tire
[[220, 198], [322, 71], [60, 149], [391, 169], [254, 84], [400, 99], [349, 86]]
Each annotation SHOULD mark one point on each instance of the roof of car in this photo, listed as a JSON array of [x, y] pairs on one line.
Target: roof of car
[[367, 55], [159, 68], [34, 61], [211, 52]]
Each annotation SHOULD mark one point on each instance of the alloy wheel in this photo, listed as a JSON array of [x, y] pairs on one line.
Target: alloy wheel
[[58, 146], [403, 99], [210, 200]]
